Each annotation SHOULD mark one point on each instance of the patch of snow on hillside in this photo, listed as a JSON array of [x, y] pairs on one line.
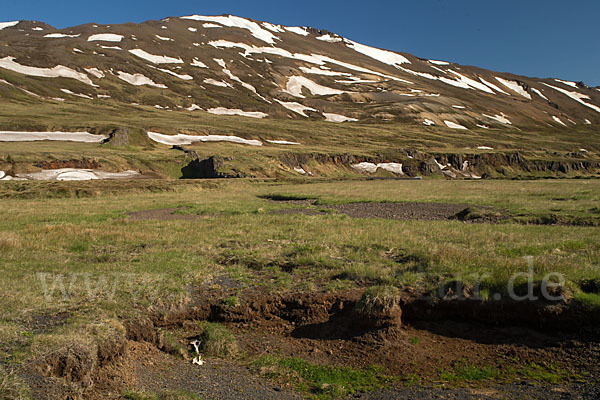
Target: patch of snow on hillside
[[85, 96], [138, 80], [496, 88], [214, 82], [37, 28], [483, 126], [166, 39], [384, 56], [172, 140], [56, 72], [459, 107], [454, 125], [284, 142], [298, 30], [194, 107], [105, 37], [568, 83], [209, 25], [472, 83], [371, 168], [192, 29], [428, 122], [229, 111], [329, 38], [485, 148], [95, 72], [578, 97], [296, 83], [500, 118], [76, 50], [515, 87], [273, 28], [111, 47], [558, 120], [4, 25], [438, 62], [83, 137], [296, 107], [155, 59], [73, 174], [60, 35], [539, 93], [237, 22], [184, 77], [331, 117], [325, 72], [197, 63], [587, 122]]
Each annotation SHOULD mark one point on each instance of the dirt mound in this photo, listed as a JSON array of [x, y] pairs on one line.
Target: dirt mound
[[163, 214]]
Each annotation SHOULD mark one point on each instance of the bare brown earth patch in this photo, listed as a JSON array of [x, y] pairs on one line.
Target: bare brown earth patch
[[163, 214]]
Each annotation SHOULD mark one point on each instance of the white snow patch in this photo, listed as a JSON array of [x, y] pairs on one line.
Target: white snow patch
[[472, 83], [483, 126], [60, 35], [428, 122], [300, 170], [500, 118], [568, 83], [166, 39], [76, 50], [184, 77], [578, 97], [105, 37], [103, 96], [214, 82], [273, 28], [83, 137], [237, 22], [555, 118], [296, 83], [4, 25], [496, 88], [485, 148], [235, 111], [587, 122], [73, 174], [296, 107], [459, 107], [138, 80], [384, 56], [515, 87], [298, 30], [438, 62], [155, 59], [329, 38], [95, 72], [371, 168], [172, 140], [209, 25], [56, 72], [194, 107], [2, 174], [192, 29], [37, 28], [197, 63], [539, 93], [331, 117], [319, 71], [85, 96], [111, 47], [284, 142], [454, 125]]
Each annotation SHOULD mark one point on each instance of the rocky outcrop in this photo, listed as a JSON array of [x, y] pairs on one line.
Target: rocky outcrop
[[118, 137]]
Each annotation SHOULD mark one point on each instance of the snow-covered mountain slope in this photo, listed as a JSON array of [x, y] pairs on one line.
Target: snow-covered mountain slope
[[231, 65]]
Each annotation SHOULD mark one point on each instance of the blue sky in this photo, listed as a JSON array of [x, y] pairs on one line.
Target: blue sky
[[543, 38]]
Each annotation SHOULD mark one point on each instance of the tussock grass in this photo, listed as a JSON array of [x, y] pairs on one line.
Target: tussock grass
[[12, 387]]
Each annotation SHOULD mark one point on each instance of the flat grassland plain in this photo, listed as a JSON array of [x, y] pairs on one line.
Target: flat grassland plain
[[295, 288]]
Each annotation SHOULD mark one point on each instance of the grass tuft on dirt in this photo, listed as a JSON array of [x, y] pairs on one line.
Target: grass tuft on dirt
[[321, 382], [168, 395], [217, 341], [12, 387]]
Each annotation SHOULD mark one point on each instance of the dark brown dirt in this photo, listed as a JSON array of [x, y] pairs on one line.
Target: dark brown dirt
[[163, 214], [400, 211]]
